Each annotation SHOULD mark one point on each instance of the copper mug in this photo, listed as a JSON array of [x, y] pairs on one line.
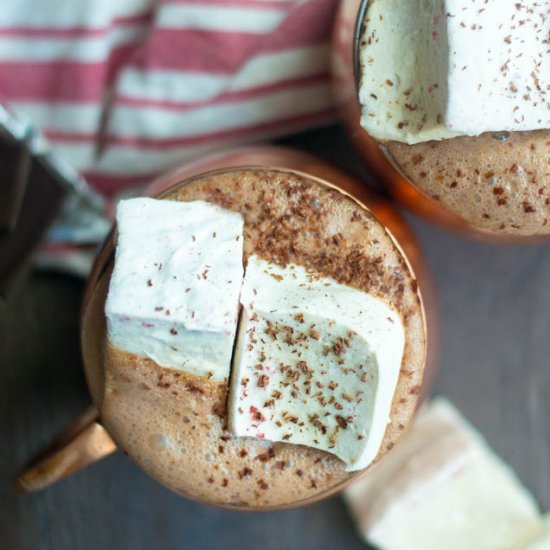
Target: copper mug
[[346, 73], [87, 440]]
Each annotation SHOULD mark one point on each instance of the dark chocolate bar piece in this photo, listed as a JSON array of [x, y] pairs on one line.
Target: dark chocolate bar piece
[[40, 205], [15, 162]]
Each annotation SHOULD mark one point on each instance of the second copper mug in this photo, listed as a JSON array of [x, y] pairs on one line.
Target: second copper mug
[[99, 433], [495, 186]]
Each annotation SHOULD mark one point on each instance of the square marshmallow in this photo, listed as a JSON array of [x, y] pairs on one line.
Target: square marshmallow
[[173, 295], [316, 363], [443, 487], [436, 69]]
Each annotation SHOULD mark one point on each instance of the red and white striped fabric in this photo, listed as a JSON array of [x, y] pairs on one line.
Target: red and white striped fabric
[[125, 89]]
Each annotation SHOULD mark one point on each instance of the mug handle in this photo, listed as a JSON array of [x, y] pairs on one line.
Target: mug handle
[[85, 441]]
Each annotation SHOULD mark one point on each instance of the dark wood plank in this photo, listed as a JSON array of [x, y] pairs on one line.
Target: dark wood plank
[[495, 345]]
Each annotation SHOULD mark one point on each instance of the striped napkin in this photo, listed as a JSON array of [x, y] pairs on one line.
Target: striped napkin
[[124, 90]]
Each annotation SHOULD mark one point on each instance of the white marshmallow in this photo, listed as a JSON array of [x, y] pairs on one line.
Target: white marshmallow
[[173, 295], [541, 541], [441, 68], [442, 487], [499, 65], [316, 363]]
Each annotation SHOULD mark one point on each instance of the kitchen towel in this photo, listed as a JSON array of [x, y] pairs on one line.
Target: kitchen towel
[[124, 90]]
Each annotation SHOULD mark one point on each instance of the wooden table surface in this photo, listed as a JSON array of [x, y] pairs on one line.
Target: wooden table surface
[[493, 363]]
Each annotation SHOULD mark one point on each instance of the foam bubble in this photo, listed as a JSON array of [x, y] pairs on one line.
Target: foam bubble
[[158, 442]]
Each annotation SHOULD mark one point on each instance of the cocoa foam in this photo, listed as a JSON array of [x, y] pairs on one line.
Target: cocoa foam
[[498, 182]]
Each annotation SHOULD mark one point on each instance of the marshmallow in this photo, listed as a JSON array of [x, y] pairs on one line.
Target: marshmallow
[[173, 294], [542, 539], [442, 487], [441, 68], [316, 363]]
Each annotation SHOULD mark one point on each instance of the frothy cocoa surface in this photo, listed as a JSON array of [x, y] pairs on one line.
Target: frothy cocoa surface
[[498, 182], [174, 424]]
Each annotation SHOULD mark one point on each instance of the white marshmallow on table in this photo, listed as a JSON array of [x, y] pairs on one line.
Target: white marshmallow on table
[[440, 68], [542, 539], [316, 363], [442, 487], [174, 291]]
